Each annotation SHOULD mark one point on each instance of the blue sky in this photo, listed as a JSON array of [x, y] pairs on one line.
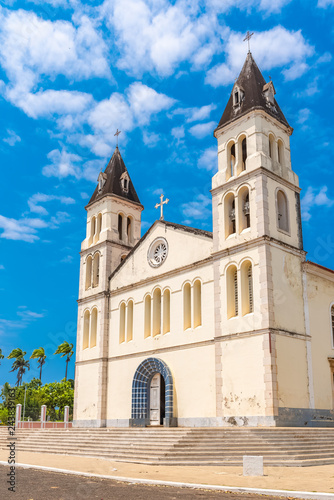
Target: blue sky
[[73, 72]]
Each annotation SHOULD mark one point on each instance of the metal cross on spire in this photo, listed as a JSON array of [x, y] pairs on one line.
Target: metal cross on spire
[[161, 205], [248, 37], [117, 134]]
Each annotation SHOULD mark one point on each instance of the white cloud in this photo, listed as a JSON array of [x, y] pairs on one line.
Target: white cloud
[[178, 132], [62, 164], [145, 102], [273, 48], [311, 200], [197, 209], [109, 113], [150, 139], [22, 229], [268, 6], [49, 102], [12, 138], [311, 89], [32, 48], [303, 115], [202, 113], [325, 3], [195, 114], [202, 129], [27, 315], [158, 36], [135, 108], [68, 259], [208, 159], [35, 200], [2, 267], [295, 71]]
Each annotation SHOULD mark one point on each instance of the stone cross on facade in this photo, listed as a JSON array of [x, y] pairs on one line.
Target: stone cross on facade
[[248, 37], [117, 134], [161, 205]]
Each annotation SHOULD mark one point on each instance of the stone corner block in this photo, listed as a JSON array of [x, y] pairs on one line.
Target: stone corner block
[[252, 465]]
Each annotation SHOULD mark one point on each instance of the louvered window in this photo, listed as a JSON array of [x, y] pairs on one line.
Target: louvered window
[[236, 292], [250, 288]]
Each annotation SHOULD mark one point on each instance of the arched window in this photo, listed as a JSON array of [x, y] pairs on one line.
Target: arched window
[[88, 272], [247, 301], [85, 342], [147, 322], [232, 160], [244, 208], [232, 292], [166, 311], [129, 229], [129, 321], [244, 153], [197, 303], [92, 230], [156, 312], [186, 306], [282, 211], [120, 226], [122, 323], [271, 146], [280, 152], [96, 269], [93, 328], [229, 205], [332, 317], [98, 228]]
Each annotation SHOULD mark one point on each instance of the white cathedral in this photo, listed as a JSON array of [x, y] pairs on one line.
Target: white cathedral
[[184, 327]]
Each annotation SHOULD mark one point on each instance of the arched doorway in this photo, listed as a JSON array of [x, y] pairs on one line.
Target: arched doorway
[[152, 395]]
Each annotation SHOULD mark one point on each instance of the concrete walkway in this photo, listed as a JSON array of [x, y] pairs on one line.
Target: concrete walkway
[[311, 479]]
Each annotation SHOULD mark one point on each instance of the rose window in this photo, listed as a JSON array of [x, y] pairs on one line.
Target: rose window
[[157, 252]]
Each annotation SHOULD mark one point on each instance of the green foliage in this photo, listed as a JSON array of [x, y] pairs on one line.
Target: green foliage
[[65, 349], [3, 415], [16, 353], [40, 355], [21, 365], [1, 356], [55, 396]]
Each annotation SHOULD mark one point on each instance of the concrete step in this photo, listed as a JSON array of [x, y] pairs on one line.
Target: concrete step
[[183, 446]]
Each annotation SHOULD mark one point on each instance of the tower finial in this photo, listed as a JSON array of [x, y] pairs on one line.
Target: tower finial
[[161, 205], [117, 134], [248, 37]]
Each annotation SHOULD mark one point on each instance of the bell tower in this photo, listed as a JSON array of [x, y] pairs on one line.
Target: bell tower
[[113, 229], [257, 243]]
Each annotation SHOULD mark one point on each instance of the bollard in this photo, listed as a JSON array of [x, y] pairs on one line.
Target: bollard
[[43, 416], [66, 416], [18, 416]]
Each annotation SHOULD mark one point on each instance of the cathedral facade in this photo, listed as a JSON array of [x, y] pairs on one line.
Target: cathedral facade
[[184, 327]]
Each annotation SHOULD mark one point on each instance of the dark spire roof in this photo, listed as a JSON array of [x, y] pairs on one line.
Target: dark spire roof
[[251, 83], [112, 178]]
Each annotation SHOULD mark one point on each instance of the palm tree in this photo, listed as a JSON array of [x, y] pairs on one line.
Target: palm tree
[[40, 355], [1, 356], [16, 353], [65, 349], [20, 364]]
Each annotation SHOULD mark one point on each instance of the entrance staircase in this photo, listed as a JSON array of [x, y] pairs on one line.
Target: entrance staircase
[[183, 446]]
